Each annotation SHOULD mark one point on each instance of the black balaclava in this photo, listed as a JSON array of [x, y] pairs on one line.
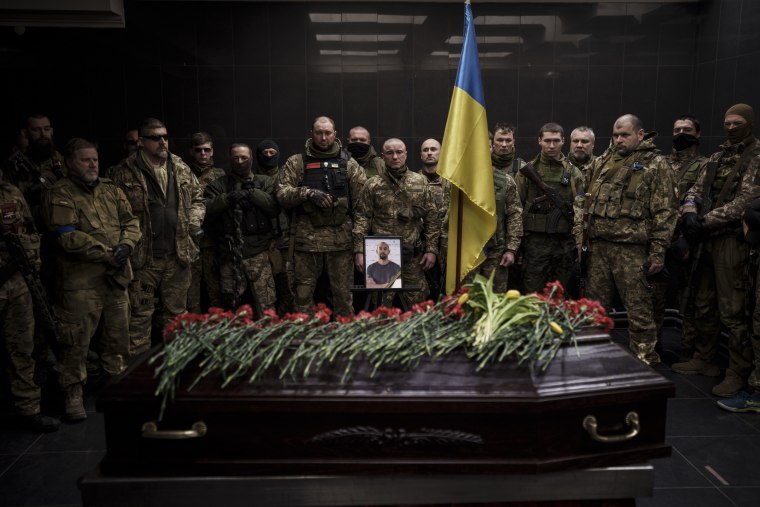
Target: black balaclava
[[684, 141], [358, 150], [262, 160]]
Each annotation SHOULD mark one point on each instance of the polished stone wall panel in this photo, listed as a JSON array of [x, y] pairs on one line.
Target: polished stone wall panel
[[251, 70]]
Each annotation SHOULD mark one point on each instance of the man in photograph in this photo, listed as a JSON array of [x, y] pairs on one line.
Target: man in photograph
[[384, 272]]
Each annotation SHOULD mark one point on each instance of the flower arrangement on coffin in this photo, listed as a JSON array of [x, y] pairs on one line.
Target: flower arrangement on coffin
[[486, 325]]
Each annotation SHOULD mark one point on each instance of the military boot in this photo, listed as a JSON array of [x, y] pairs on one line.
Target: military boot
[[730, 386], [697, 366], [73, 403]]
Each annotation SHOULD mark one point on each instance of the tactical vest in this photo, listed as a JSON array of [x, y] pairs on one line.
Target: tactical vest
[[538, 205], [499, 239], [723, 175], [330, 176], [254, 222], [163, 214], [622, 194]]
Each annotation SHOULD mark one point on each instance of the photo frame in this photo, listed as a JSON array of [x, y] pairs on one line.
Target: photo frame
[[382, 262]]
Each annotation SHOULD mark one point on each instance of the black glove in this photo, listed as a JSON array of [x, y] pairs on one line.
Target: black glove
[[693, 227], [121, 253], [196, 233], [317, 197], [234, 197]]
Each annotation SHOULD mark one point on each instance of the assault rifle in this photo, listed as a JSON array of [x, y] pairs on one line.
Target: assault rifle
[[234, 239], [20, 262], [560, 207], [583, 260]]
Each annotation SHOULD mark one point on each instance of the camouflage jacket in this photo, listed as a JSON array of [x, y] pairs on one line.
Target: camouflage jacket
[[291, 194], [509, 218], [17, 217], [631, 200], [131, 179], [686, 165], [205, 176], [584, 168], [218, 212], [726, 217], [32, 178], [372, 163], [87, 222], [403, 206], [551, 171], [440, 191]]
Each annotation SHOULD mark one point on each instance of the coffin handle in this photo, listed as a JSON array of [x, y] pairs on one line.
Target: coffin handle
[[631, 419], [150, 430]]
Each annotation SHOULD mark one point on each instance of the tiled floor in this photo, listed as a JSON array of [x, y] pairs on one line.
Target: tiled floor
[[715, 461]]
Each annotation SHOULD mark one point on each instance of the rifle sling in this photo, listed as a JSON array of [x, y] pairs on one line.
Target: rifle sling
[[731, 177]]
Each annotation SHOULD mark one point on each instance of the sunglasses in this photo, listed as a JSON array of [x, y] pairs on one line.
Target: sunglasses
[[157, 138], [198, 149]]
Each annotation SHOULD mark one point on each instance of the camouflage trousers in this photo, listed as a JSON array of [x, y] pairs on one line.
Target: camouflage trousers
[[547, 257], [491, 264], [282, 272], [79, 312], [17, 328], [659, 302], [204, 273], [720, 285], [412, 275], [164, 278], [754, 377], [339, 266], [255, 271], [618, 265]]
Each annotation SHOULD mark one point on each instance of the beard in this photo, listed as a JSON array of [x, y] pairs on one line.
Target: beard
[[39, 152]]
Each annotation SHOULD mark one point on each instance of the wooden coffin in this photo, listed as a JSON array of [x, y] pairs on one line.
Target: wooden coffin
[[600, 407]]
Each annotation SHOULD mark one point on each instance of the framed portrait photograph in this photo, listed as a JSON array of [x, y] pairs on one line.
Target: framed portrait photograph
[[382, 262]]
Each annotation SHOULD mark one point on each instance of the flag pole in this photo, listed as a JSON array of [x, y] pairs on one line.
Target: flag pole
[[459, 235]]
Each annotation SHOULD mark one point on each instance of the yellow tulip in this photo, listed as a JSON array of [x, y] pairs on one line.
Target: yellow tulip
[[513, 294], [463, 298], [556, 327]]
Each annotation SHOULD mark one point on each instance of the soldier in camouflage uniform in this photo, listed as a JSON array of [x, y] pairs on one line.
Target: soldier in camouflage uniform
[[268, 162], [581, 153], [33, 171], [166, 198], [748, 400], [39, 167], [16, 315], [242, 206], [440, 190], [548, 242], [685, 161], [503, 245], [206, 267], [630, 214], [713, 215], [503, 157], [95, 231], [322, 186], [361, 149], [398, 202]]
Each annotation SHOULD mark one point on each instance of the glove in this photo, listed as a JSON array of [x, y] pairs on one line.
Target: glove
[[196, 233], [693, 227], [234, 197], [317, 197], [121, 253]]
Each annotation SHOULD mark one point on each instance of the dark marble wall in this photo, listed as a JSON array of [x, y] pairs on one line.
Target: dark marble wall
[[246, 71], [727, 66]]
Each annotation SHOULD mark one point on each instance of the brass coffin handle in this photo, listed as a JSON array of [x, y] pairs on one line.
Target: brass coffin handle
[[150, 430], [631, 419]]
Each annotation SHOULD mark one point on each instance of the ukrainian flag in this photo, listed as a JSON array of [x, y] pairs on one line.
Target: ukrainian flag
[[466, 162]]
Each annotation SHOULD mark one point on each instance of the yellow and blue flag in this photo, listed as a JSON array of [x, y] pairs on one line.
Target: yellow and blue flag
[[466, 162]]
